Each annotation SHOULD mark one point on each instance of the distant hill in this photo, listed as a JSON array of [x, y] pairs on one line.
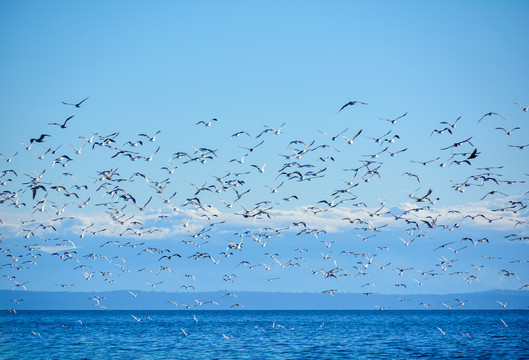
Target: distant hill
[[123, 300]]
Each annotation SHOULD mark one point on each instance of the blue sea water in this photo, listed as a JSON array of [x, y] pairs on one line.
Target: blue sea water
[[265, 334]]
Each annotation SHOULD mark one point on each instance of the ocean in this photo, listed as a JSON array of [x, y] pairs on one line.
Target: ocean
[[248, 334]]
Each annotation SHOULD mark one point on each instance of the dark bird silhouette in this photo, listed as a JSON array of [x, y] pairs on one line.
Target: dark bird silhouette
[[78, 105], [63, 125], [473, 155], [457, 144], [350, 103], [39, 140]]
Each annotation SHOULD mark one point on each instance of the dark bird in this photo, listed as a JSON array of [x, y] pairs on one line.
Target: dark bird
[[39, 140], [473, 155], [457, 144], [63, 125], [491, 114], [521, 147], [252, 148], [78, 104], [35, 188], [350, 103]]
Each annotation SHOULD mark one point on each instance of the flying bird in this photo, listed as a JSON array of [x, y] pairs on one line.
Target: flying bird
[[508, 132], [491, 114], [77, 105], [63, 125], [524, 108], [206, 124], [40, 139], [351, 103]]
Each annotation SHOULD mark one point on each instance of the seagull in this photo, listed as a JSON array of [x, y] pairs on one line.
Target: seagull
[[270, 129], [333, 138], [524, 108], [491, 114], [39, 139], [508, 132], [393, 121], [77, 151], [351, 140], [452, 125], [503, 305], [137, 319], [441, 131], [461, 302], [350, 103], [143, 207], [330, 291], [442, 332], [63, 125], [10, 158], [78, 105], [412, 175], [274, 190], [239, 133], [237, 305], [252, 148], [151, 138], [206, 124], [260, 169], [521, 147]]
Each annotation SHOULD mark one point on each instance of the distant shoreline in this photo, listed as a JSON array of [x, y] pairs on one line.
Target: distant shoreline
[[266, 301]]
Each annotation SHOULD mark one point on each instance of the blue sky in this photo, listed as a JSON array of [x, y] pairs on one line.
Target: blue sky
[[165, 66]]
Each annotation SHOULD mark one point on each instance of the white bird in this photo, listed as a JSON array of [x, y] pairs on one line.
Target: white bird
[[503, 305], [151, 138], [206, 124], [137, 319], [270, 129]]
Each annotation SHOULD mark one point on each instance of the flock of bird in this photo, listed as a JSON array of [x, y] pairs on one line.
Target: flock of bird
[[120, 208]]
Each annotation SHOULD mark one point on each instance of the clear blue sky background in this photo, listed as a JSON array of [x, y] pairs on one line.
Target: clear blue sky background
[[166, 65]]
